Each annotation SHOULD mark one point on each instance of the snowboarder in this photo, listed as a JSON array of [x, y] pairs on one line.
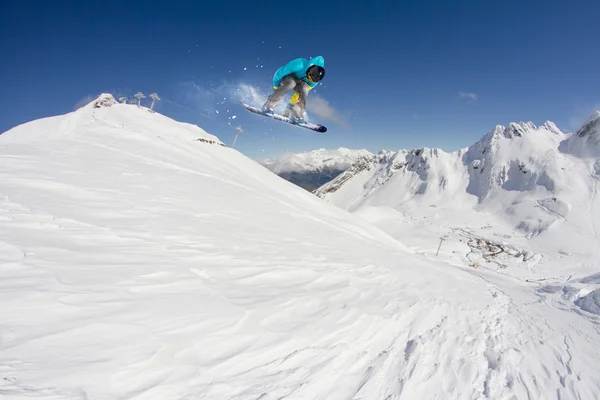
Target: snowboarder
[[300, 75]]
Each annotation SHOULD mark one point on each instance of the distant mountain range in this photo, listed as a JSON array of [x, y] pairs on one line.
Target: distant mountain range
[[313, 169]]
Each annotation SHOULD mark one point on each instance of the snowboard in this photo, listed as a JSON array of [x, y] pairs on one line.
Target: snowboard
[[306, 125]]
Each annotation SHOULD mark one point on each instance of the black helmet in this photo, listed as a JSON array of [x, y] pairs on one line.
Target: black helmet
[[315, 73]]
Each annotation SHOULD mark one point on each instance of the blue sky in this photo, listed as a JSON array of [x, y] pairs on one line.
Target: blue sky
[[400, 74]]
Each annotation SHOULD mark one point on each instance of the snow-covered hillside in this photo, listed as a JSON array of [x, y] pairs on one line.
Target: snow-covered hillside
[[141, 259]]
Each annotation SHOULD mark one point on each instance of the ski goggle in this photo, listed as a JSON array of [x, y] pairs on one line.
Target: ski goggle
[[315, 73]]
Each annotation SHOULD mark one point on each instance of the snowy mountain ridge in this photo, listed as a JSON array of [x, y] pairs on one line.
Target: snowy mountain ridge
[[140, 258], [96, 111], [586, 141], [503, 157]]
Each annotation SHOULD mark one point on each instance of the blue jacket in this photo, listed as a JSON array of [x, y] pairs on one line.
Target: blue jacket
[[298, 68]]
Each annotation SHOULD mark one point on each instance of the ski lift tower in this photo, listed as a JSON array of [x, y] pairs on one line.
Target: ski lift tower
[[238, 130]]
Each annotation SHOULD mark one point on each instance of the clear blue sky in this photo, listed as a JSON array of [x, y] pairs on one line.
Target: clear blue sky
[[395, 69]]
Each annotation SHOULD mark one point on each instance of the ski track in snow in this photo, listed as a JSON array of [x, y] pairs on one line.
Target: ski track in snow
[[549, 211], [148, 268]]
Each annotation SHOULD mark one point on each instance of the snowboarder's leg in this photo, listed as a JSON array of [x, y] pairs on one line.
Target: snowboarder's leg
[[288, 110], [298, 101], [288, 83]]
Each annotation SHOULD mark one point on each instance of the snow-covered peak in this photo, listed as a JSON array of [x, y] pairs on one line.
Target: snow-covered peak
[[104, 100], [515, 134], [591, 126], [106, 112], [315, 160], [586, 141], [514, 158], [519, 129], [551, 126], [514, 129]]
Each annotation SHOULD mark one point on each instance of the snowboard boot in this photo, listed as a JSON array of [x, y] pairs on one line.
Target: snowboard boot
[[268, 111], [296, 120], [291, 114], [288, 111]]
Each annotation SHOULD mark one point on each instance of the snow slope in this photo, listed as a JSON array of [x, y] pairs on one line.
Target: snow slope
[[138, 262]]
